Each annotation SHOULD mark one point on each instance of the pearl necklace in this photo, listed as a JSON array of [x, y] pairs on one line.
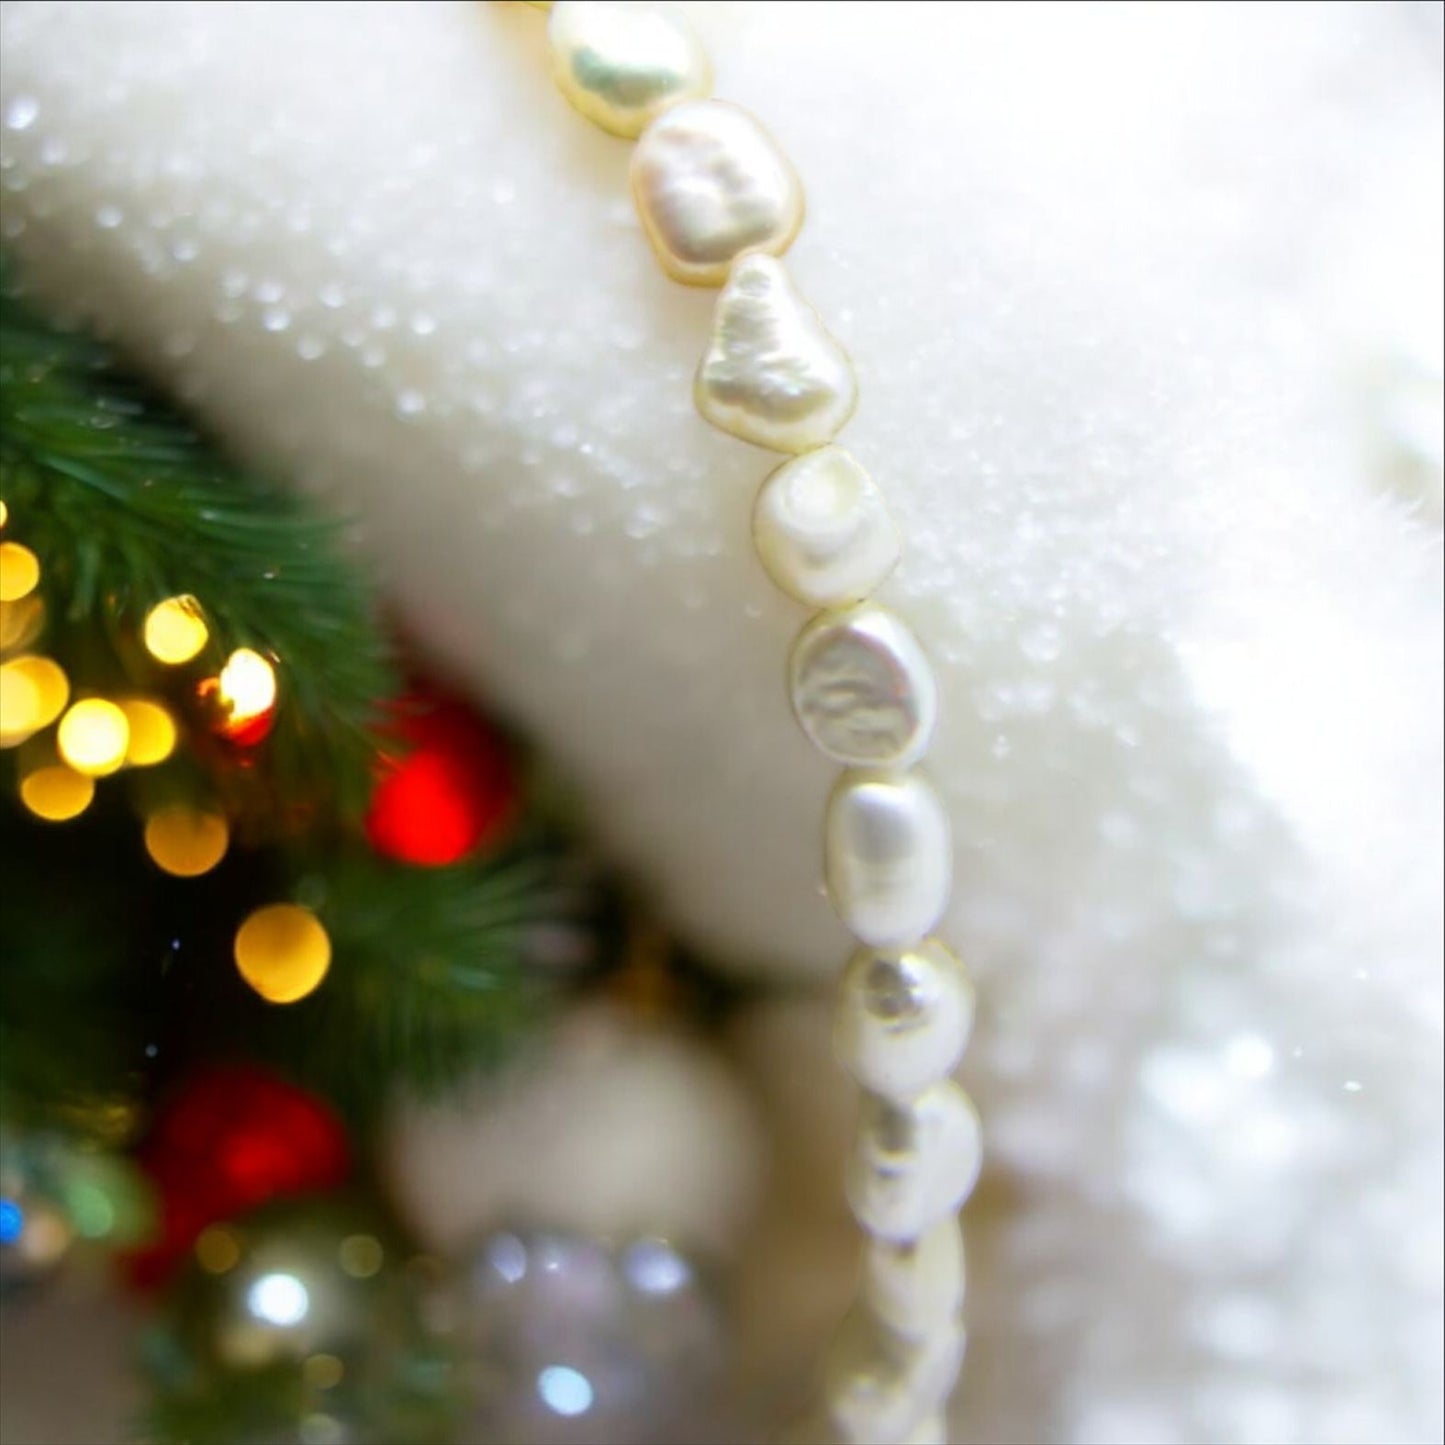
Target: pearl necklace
[[720, 205]]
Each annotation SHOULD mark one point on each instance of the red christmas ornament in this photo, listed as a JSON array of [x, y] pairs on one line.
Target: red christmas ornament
[[233, 1139], [449, 789]]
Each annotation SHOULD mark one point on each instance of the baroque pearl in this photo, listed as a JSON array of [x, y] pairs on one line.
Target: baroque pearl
[[880, 1384], [862, 688], [914, 1164], [711, 184], [887, 857], [623, 64], [917, 1286], [772, 374], [903, 1018], [822, 529]]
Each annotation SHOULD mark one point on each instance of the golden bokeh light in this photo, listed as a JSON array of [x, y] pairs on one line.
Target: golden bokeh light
[[33, 693], [152, 732], [283, 952], [323, 1372], [175, 630], [56, 794], [361, 1255], [246, 687], [217, 1250], [19, 571], [20, 623], [186, 842], [93, 737], [4, 514]]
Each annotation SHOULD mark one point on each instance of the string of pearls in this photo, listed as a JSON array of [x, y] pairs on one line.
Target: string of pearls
[[721, 204]]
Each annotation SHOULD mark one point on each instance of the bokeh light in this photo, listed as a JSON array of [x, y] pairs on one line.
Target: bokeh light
[[93, 737], [186, 842], [245, 695], [33, 693], [152, 732], [56, 793], [19, 571], [283, 952], [20, 623], [175, 630]]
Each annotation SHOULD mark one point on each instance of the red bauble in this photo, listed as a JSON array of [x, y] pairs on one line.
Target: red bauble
[[232, 1139], [448, 789]]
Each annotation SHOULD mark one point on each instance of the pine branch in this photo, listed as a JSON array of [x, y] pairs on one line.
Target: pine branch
[[125, 505]]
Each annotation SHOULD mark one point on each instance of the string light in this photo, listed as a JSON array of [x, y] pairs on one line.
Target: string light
[[19, 571], [56, 794], [283, 952], [152, 732], [185, 842], [175, 630], [93, 737]]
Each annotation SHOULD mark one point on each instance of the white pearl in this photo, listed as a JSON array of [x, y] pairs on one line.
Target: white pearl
[[880, 1385], [711, 184], [772, 374], [822, 529], [862, 688], [903, 1018], [914, 1164], [887, 857], [623, 64], [916, 1287]]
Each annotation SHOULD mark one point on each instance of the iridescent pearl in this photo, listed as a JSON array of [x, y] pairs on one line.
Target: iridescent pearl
[[862, 688], [878, 1384], [822, 530], [623, 64], [771, 374], [903, 1018], [914, 1164], [711, 184], [917, 1286], [887, 857]]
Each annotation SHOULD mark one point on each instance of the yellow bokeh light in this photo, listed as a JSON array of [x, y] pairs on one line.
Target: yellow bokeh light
[[19, 571], [217, 1250], [33, 693], [56, 793], [93, 737], [152, 732], [283, 952], [20, 623], [361, 1255], [186, 842], [4, 514], [175, 630], [246, 687], [323, 1372]]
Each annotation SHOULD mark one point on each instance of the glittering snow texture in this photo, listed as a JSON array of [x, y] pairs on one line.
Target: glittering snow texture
[[1144, 302]]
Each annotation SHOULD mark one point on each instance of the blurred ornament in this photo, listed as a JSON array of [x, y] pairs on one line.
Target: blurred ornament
[[241, 699], [448, 785], [615, 1127], [283, 952], [234, 1138], [570, 1343], [300, 1323]]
